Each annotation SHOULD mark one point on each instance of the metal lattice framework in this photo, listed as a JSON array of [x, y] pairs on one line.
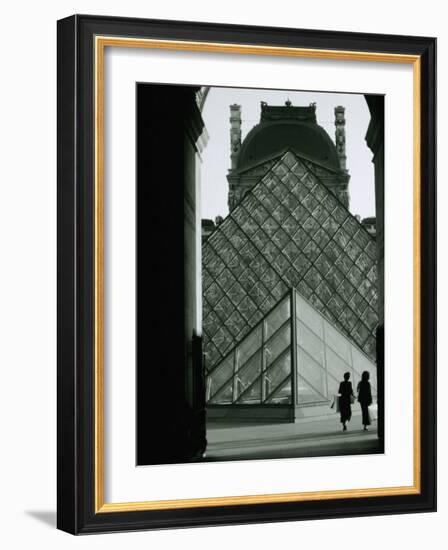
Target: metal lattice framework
[[289, 231], [293, 356]]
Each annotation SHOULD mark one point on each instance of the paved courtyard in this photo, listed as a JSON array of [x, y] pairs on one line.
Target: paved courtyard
[[320, 436]]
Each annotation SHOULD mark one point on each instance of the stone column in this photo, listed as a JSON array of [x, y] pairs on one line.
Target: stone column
[[339, 122], [170, 385], [375, 141], [235, 134], [235, 145]]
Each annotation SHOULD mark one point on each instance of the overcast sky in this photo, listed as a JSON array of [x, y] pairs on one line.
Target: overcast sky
[[216, 156]]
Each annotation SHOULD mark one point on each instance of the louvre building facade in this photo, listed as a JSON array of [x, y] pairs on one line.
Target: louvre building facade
[[289, 276]]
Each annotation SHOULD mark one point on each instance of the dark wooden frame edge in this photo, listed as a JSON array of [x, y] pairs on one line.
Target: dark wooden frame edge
[[75, 173]]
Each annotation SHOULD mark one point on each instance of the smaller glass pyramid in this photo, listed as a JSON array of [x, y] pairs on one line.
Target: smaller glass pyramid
[[294, 355]]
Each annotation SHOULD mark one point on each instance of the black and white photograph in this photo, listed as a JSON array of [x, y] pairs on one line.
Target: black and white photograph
[[249, 221], [283, 296], [222, 282]]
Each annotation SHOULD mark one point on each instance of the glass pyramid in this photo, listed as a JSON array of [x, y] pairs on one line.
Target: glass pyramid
[[289, 231], [293, 356]]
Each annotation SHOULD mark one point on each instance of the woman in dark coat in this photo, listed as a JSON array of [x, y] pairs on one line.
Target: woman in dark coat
[[365, 398], [345, 399]]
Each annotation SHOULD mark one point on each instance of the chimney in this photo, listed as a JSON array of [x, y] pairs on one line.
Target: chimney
[[339, 122], [235, 133]]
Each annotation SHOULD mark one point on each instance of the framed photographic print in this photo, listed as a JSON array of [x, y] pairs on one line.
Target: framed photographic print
[[246, 274]]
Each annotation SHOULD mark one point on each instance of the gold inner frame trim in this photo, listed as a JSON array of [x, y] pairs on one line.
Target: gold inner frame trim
[[101, 42]]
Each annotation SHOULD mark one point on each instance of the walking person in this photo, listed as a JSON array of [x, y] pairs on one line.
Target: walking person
[[365, 398], [346, 398]]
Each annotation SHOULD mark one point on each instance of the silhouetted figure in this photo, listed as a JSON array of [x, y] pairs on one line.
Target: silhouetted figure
[[345, 400], [365, 398]]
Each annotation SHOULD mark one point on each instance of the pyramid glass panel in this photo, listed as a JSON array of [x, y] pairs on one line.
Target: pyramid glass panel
[[277, 317], [248, 373], [307, 394], [340, 354], [282, 394], [310, 343], [222, 374], [277, 373], [224, 396], [249, 346], [252, 395], [313, 373], [277, 344]]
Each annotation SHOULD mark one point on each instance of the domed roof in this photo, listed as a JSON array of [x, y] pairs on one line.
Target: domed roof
[[282, 128]]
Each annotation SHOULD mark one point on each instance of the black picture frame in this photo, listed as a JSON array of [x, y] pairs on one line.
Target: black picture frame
[[77, 495]]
